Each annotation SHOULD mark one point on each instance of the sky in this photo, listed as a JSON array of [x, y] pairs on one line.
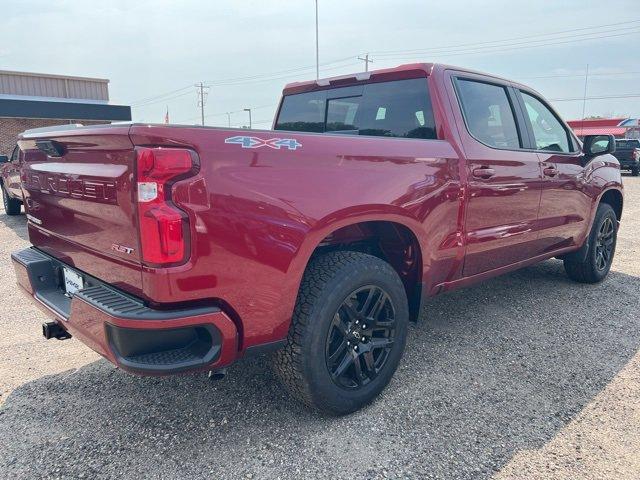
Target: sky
[[155, 52]]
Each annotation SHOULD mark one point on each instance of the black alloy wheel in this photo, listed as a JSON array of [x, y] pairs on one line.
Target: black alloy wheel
[[360, 337], [604, 244]]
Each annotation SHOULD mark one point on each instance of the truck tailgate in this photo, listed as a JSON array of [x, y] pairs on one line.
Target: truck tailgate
[[80, 202]]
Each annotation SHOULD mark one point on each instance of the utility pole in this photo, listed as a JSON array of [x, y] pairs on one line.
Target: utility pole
[[366, 62], [249, 110], [203, 92], [317, 47], [229, 119], [584, 98]]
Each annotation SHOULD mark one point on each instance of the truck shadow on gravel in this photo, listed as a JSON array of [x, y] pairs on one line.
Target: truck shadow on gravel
[[17, 223], [489, 371]]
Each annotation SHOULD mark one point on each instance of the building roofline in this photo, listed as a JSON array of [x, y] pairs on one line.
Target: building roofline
[[63, 110], [49, 75]]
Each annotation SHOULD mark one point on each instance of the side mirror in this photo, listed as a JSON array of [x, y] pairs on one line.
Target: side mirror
[[595, 145], [4, 159]]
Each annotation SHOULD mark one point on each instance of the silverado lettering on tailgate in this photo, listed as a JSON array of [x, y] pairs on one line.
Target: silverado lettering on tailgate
[[62, 185]]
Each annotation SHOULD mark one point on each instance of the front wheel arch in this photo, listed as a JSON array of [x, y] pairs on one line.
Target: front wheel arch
[[613, 197]]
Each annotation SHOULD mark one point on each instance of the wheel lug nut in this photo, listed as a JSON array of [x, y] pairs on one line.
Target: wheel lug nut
[[364, 326]]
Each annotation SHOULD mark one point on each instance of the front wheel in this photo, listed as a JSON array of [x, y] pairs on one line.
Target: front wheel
[[347, 334], [11, 205], [602, 247]]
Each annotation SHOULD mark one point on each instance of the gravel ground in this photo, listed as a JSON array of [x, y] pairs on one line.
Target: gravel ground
[[525, 376]]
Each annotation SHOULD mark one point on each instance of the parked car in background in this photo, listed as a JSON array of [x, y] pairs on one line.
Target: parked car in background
[[10, 182], [169, 249], [628, 154]]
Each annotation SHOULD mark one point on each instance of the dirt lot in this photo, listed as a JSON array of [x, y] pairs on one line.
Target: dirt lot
[[525, 376]]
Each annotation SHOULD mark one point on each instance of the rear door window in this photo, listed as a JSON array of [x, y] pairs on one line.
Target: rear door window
[[391, 109], [488, 113]]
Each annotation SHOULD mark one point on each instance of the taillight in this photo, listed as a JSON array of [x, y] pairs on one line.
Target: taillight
[[162, 225]]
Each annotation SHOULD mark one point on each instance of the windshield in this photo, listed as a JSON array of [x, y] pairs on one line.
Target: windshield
[[627, 143]]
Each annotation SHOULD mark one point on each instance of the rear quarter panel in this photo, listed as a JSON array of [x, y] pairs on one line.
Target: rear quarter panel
[[257, 214]]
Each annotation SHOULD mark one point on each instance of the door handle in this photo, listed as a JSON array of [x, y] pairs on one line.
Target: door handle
[[483, 172], [550, 171]]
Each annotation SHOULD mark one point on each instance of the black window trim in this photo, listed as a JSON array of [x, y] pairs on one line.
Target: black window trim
[[362, 85], [574, 144], [523, 133], [15, 154]]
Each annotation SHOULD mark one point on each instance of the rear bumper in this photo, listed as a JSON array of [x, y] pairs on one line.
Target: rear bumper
[[628, 164], [122, 328]]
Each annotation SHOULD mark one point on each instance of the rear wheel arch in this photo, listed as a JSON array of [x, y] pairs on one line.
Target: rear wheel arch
[[391, 240]]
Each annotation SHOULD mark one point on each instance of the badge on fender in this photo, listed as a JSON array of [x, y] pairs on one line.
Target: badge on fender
[[255, 142]]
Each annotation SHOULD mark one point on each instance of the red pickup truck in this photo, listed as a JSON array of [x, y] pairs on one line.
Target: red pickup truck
[[10, 182], [173, 249]]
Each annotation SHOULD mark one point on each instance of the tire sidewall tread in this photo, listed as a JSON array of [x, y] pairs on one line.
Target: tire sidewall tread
[[328, 280]]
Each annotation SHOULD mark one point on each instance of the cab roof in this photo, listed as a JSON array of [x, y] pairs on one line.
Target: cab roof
[[401, 72]]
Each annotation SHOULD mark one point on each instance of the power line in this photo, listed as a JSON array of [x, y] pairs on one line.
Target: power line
[[545, 35], [477, 48], [162, 100], [258, 79], [144, 100], [220, 114], [581, 75], [600, 97], [505, 48], [245, 80]]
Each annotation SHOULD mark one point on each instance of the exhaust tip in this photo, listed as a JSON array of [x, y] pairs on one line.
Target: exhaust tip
[[217, 374], [54, 330]]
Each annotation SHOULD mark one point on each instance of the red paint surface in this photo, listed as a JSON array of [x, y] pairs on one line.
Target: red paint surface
[[256, 215]]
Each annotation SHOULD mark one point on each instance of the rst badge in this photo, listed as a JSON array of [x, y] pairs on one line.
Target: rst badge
[[121, 249], [255, 142]]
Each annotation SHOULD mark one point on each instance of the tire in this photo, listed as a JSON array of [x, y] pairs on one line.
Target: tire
[[11, 205], [333, 361], [602, 247], [635, 171]]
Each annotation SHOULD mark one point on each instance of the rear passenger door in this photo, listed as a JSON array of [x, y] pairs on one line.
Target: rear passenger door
[[503, 178]]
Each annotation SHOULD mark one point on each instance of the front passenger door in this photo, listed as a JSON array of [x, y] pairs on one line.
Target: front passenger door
[[564, 205]]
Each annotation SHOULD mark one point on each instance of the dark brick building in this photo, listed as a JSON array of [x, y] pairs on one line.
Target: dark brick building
[[33, 100]]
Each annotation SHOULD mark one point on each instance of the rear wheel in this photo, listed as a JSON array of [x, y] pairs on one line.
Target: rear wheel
[[11, 205], [347, 333], [635, 171], [602, 246]]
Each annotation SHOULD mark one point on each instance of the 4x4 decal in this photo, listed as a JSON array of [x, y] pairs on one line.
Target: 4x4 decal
[[255, 142]]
